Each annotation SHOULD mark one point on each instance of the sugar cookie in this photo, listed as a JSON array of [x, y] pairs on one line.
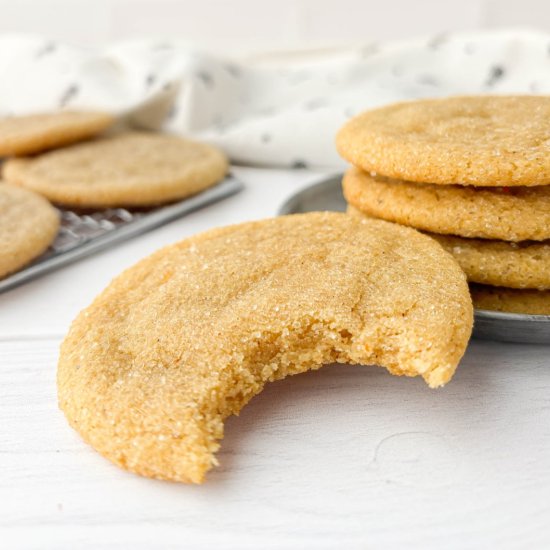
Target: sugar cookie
[[510, 300], [517, 214], [476, 140], [28, 225], [498, 263], [185, 338], [27, 135], [132, 169]]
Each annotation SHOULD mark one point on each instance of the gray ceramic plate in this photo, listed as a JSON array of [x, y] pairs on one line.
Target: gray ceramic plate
[[489, 325]]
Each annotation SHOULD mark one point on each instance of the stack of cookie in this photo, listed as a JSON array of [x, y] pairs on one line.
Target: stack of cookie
[[68, 168], [473, 173]]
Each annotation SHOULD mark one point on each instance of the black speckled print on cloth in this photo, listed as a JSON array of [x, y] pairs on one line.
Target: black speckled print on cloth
[[279, 113]]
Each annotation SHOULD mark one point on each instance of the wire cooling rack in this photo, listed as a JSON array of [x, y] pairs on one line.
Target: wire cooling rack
[[82, 234]]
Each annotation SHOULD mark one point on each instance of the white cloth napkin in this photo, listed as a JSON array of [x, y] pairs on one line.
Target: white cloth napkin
[[277, 111]]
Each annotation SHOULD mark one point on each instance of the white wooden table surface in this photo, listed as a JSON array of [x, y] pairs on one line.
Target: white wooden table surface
[[346, 457]]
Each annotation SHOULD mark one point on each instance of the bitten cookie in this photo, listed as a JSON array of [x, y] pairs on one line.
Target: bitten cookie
[[132, 169], [477, 140], [509, 300], [498, 263], [185, 338], [27, 135], [28, 225], [508, 214]]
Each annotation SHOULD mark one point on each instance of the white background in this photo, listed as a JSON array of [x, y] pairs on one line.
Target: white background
[[244, 26]]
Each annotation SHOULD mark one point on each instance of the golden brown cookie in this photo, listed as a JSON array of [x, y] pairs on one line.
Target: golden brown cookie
[[131, 169], [511, 300], [498, 263], [28, 225], [185, 338], [476, 140], [27, 135], [509, 214]]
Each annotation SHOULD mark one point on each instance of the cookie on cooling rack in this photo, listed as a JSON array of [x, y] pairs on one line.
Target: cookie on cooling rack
[[28, 225], [135, 169], [31, 134]]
